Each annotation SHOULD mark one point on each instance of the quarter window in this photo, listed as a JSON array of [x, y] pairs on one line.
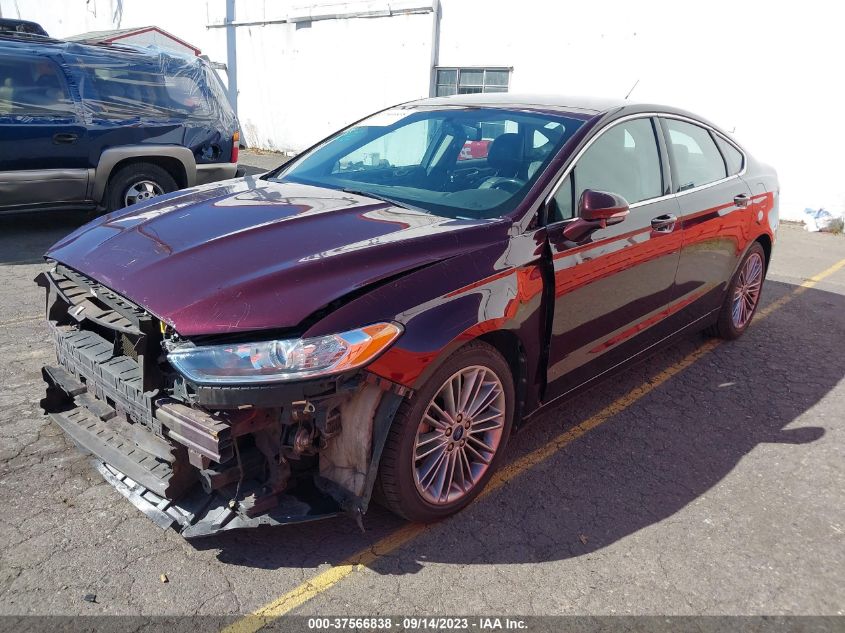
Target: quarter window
[[697, 159], [464, 81], [733, 157], [625, 161]]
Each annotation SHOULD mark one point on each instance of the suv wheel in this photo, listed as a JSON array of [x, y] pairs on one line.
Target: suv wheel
[[137, 182]]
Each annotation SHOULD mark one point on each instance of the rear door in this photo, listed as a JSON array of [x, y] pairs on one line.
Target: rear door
[[614, 288], [715, 210], [43, 162]]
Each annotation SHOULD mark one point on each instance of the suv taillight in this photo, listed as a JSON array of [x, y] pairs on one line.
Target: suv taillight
[[236, 137]]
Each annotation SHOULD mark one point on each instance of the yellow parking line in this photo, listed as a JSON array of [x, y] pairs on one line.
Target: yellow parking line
[[812, 281], [321, 582]]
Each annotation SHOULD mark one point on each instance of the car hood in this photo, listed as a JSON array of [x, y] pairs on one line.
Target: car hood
[[251, 254]]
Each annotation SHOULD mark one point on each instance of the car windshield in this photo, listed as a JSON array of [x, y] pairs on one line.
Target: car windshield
[[455, 162]]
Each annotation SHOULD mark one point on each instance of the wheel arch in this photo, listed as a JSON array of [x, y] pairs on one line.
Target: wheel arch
[[176, 160], [766, 242], [505, 341]]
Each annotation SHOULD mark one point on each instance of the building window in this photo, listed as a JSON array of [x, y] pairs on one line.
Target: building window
[[465, 81]]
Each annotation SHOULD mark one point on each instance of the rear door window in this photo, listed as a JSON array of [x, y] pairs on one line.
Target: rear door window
[[33, 87], [697, 159]]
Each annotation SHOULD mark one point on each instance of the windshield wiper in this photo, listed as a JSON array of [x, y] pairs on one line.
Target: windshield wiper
[[370, 194]]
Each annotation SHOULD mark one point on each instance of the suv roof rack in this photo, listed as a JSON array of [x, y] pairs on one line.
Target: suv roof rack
[[23, 36], [21, 26]]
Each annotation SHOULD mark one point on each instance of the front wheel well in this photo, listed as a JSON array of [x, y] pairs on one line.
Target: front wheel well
[[508, 345]]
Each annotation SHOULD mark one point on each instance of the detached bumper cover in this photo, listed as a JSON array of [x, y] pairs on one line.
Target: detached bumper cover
[[151, 473], [200, 514]]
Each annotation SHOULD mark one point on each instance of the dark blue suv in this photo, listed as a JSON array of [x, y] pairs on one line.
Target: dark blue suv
[[103, 127]]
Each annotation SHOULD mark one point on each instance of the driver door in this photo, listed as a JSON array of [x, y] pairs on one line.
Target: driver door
[[615, 292]]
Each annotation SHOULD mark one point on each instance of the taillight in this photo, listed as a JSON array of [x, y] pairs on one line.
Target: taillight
[[236, 137]]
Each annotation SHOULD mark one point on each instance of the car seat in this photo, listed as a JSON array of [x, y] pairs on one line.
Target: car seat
[[506, 155]]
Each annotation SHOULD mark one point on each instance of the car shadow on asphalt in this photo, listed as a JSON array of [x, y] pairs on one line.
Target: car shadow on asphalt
[[249, 170], [640, 467], [25, 237]]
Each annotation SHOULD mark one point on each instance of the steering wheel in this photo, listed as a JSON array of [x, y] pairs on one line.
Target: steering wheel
[[511, 185]]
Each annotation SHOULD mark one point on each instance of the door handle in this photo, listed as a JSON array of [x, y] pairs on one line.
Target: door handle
[[63, 138], [664, 223], [742, 200]]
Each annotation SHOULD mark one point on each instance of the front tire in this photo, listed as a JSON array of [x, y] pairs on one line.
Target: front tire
[[137, 182], [743, 296], [449, 438]]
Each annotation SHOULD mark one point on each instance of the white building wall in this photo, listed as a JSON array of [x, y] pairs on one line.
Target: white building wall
[[300, 82], [766, 71]]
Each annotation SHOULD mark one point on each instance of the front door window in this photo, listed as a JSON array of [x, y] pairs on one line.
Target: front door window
[[625, 161]]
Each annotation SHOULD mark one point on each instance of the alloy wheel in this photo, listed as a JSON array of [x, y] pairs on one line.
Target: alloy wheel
[[459, 435], [747, 291], [140, 191]]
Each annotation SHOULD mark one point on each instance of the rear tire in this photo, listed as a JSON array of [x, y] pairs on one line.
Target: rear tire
[[137, 182], [456, 435], [742, 297]]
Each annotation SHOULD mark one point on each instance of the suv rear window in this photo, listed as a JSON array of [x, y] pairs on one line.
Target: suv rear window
[[113, 90], [33, 88]]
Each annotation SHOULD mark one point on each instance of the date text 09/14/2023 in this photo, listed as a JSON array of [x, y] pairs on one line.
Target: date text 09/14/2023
[[417, 623]]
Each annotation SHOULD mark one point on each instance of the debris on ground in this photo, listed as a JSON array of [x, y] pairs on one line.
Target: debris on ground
[[90, 597], [163, 578], [818, 220]]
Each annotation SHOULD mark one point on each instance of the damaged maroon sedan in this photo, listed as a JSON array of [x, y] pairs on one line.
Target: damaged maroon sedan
[[374, 318]]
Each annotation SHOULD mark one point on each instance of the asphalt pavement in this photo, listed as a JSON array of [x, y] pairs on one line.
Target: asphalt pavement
[[708, 480]]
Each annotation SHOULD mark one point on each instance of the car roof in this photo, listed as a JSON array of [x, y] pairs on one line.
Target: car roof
[[581, 105], [595, 105]]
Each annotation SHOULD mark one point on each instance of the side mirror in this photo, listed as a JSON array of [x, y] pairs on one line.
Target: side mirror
[[602, 207], [596, 210]]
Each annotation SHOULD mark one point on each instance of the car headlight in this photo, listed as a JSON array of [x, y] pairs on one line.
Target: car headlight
[[279, 361]]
